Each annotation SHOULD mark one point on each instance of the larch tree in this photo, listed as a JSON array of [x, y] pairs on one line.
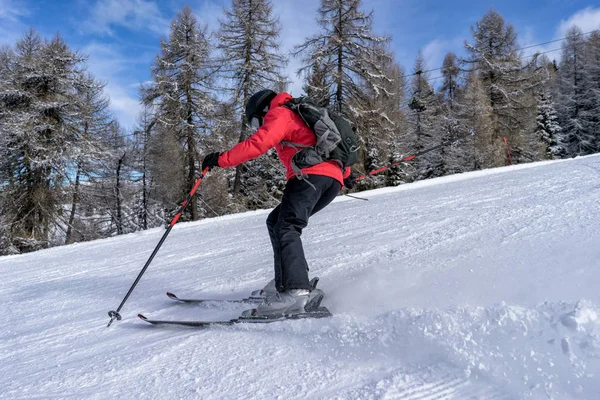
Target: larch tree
[[316, 86], [423, 127], [509, 85], [476, 116], [382, 118], [592, 59], [94, 119], [250, 61], [449, 123], [346, 54], [577, 107], [399, 146], [548, 129], [182, 92], [451, 74], [148, 209], [37, 132]]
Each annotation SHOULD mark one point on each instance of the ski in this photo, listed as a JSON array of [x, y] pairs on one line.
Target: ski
[[318, 312], [312, 309], [197, 324], [196, 301], [255, 300]]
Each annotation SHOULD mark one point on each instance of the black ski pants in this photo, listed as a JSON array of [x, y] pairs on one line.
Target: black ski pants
[[285, 223]]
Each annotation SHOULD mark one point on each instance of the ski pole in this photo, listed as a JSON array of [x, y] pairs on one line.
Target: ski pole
[[115, 314], [413, 156], [356, 197]]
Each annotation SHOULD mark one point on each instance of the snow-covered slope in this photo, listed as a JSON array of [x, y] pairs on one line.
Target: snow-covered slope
[[483, 285]]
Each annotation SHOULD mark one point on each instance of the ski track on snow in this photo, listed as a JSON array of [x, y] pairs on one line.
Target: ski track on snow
[[476, 286]]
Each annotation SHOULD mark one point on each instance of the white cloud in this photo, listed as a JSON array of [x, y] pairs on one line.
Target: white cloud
[[130, 14], [11, 12], [435, 51], [587, 20], [125, 106], [109, 66], [11, 27]]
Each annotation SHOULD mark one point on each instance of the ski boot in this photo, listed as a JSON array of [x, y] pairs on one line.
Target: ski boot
[[262, 294], [270, 290], [291, 304]]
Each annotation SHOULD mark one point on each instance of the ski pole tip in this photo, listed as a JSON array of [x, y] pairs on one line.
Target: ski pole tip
[[114, 314]]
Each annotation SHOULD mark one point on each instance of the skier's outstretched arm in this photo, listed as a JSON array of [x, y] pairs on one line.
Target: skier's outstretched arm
[[266, 137]]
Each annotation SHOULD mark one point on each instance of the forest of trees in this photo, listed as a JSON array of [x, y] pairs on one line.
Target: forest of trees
[[69, 172]]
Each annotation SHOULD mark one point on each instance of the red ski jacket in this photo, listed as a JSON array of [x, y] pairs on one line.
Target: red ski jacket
[[281, 124]]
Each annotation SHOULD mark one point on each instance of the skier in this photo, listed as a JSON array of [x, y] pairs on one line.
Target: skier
[[304, 195]]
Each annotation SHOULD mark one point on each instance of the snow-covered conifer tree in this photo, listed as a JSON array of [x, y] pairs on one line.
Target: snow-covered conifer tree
[[577, 106], [477, 116], [449, 123], [548, 130], [250, 61], [147, 210], [424, 129], [382, 118], [316, 86], [37, 133], [592, 61], [451, 73], [182, 92], [90, 152], [345, 51], [494, 54]]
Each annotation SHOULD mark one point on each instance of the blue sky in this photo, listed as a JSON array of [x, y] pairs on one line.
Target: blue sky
[[122, 37]]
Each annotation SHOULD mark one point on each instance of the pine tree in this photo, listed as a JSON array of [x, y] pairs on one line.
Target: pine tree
[[592, 61], [147, 207], [346, 52], [94, 119], [423, 122], [449, 123], [379, 127], [476, 116], [106, 196], [38, 129], [510, 87], [248, 41], [182, 92], [450, 72], [548, 129], [576, 101], [316, 86], [399, 145]]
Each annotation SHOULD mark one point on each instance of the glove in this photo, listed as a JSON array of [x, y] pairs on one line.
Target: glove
[[211, 161], [350, 181]]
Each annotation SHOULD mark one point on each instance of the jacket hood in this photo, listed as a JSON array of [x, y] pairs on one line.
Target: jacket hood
[[280, 99]]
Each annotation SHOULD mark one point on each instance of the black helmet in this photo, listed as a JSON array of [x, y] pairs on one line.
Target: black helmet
[[255, 108]]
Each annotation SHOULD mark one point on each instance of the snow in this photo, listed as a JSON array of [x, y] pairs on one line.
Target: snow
[[476, 286]]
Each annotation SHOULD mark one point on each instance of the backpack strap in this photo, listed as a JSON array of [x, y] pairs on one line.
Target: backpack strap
[[297, 171]]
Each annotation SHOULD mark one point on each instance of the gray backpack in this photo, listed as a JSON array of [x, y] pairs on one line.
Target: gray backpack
[[336, 137]]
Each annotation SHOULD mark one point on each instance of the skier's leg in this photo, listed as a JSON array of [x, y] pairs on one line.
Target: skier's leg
[[271, 222], [327, 197], [298, 203]]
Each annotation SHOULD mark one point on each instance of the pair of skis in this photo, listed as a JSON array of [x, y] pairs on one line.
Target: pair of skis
[[312, 310]]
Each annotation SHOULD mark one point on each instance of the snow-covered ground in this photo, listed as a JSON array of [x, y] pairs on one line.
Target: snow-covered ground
[[477, 286]]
